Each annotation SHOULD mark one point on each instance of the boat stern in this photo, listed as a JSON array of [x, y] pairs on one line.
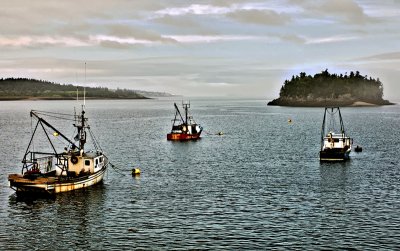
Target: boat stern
[[332, 155], [34, 185]]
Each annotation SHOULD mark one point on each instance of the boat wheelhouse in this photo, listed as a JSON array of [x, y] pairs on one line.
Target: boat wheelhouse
[[56, 171], [184, 128], [335, 144]]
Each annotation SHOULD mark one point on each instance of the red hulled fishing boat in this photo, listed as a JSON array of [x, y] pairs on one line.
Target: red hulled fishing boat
[[184, 128]]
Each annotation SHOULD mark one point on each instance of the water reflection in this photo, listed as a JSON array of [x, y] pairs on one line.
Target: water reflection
[[68, 215], [94, 194], [334, 186], [334, 174]]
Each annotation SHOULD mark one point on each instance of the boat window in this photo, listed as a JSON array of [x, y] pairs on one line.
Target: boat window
[[97, 161], [87, 162], [101, 159]]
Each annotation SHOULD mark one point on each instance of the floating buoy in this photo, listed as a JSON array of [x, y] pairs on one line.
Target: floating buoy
[[55, 134], [289, 121], [220, 133], [358, 149], [133, 230], [135, 171]]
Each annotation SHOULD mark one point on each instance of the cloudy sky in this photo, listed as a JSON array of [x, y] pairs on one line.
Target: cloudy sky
[[199, 48]]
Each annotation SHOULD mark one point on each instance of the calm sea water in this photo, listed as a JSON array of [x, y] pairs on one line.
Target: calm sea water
[[259, 186]]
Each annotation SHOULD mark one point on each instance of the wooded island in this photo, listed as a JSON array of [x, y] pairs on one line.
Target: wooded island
[[325, 89], [23, 88]]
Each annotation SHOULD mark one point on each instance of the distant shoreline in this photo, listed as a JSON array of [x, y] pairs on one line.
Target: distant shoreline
[[33, 89], [63, 98]]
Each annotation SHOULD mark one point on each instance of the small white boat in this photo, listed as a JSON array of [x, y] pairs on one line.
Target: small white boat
[[335, 146], [56, 172]]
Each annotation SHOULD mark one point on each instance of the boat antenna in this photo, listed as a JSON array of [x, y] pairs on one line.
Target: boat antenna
[[186, 105], [77, 98], [84, 88], [76, 81]]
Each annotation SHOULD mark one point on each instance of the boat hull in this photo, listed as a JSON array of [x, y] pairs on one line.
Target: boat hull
[[183, 136], [334, 155], [53, 185]]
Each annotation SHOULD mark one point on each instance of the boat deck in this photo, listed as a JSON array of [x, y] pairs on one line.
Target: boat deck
[[19, 179]]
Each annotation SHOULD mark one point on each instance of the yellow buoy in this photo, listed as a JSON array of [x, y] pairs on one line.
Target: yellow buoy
[[135, 171], [289, 121], [55, 134]]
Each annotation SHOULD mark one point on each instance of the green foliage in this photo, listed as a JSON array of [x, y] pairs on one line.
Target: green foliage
[[20, 88], [332, 86]]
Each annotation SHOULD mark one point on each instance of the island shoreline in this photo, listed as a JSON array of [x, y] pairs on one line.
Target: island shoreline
[[357, 103]]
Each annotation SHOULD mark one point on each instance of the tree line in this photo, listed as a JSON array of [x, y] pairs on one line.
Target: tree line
[[332, 86], [13, 88]]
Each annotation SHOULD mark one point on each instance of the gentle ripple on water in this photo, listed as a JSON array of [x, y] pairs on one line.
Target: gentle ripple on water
[[259, 186]]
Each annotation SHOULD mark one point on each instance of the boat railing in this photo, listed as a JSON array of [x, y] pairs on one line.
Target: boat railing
[[39, 165], [45, 163]]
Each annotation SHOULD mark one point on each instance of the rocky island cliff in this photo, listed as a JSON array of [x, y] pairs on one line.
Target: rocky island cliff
[[326, 89]]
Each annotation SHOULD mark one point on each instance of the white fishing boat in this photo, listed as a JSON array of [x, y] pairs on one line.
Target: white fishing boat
[[335, 144], [57, 171]]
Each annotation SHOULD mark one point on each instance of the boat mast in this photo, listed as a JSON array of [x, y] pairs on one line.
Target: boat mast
[[186, 106], [81, 130], [323, 128], [81, 127], [341, 122], [186, 113]]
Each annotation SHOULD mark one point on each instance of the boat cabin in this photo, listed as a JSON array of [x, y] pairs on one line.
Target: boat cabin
[[333, 140], [79, 165]]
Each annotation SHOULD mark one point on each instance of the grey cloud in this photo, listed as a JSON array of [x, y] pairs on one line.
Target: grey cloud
[[125, 31], [47, 17], [347, 11], [382, 57], [79, 30], [227, 3], [181, 21], [292, 38], [115, 45], [186, 24], [264, 17]]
